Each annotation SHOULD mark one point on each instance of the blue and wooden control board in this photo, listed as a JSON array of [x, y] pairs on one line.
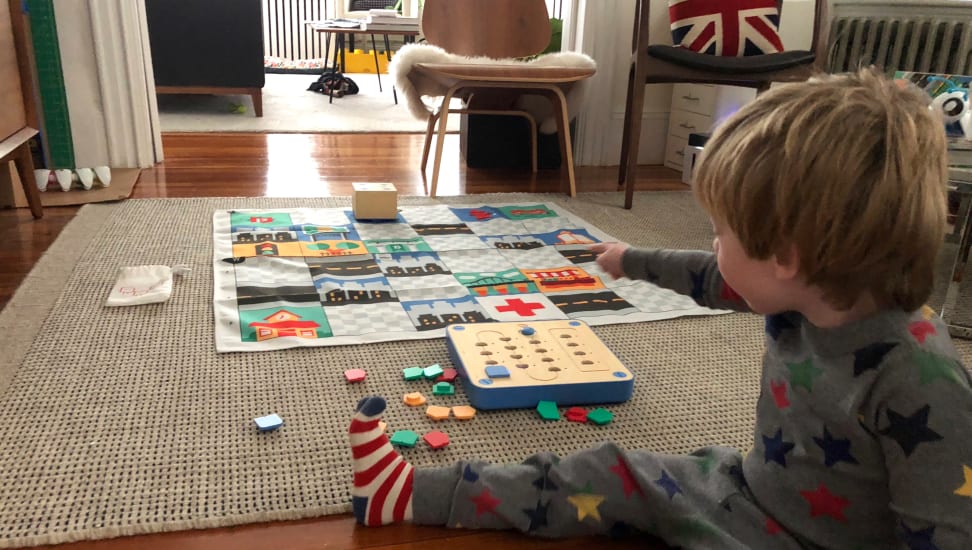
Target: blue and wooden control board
[[518, 364]]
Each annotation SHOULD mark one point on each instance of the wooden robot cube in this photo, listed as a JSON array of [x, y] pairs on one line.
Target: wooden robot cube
[[374, 201]]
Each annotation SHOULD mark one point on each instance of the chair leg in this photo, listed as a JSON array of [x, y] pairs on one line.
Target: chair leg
[[633, 135], [257, 97], [533, 140], [622, 173], [429, 129], [563, 128], [443, 120], [25, 171]]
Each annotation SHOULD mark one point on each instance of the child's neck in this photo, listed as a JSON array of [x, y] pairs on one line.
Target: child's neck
[[823, 315]]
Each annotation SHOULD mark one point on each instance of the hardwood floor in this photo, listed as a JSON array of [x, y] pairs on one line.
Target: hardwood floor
[[298, 165]]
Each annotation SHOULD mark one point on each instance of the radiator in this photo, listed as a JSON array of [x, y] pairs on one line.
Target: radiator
[[284, 32], [923, 36]]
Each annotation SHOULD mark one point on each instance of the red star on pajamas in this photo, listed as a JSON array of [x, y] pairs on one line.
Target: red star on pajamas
[[629, 485], [823, 502], [485, 502], [772, 527], [920, 330], [779, 394]]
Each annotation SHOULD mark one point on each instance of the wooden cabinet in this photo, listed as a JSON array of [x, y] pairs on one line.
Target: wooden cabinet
[[699, 108]]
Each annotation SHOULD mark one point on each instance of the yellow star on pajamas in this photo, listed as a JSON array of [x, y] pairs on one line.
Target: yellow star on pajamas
[[586, 505], [966, 489]]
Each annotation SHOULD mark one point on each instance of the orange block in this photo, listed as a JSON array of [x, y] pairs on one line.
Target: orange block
[[414, 399], [436, 412], [463, 412]]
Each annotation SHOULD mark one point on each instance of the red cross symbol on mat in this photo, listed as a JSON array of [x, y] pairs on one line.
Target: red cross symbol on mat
[[523, 309], [480, 214]]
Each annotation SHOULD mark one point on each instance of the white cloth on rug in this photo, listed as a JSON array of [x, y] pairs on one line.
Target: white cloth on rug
[[143, 284], [411, 54]]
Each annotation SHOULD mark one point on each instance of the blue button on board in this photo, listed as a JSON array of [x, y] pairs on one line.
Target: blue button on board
[[497, 371], [527, 331]]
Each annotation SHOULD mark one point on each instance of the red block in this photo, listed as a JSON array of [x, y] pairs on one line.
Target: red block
[[576, 414], [448, 375], [355, 375], [436, 439]]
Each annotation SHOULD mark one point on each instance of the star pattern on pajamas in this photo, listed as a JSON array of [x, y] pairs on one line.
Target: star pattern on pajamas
[[910, 431], [668, 483], [586, 504], [966, 489], [776, 448], [629, 484], [932, 367], [835, 450], [803, 374], [870, 357], [485, 502], [824, 503]]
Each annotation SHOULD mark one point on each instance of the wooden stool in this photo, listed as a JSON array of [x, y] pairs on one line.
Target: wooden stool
[[16, 148]]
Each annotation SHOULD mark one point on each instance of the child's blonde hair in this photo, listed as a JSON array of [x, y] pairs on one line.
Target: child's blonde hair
[[849, 171]]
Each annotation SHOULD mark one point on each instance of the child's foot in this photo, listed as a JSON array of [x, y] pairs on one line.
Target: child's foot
[[382, 491]]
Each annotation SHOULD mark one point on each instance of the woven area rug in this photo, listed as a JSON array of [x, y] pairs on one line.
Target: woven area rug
[[126, 420]]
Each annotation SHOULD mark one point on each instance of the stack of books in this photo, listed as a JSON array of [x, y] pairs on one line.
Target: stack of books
[[389, 20]]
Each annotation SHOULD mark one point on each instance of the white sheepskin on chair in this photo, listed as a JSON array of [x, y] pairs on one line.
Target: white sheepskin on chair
[[411, 54]]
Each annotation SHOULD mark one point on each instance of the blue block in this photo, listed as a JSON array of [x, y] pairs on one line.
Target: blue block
[[268, 423]]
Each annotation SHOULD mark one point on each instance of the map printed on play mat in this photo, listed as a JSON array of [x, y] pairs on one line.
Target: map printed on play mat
[[318, 277]]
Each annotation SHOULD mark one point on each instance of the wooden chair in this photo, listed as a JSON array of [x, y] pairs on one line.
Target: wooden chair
[[498, 29], [17, 109], [655, 64]]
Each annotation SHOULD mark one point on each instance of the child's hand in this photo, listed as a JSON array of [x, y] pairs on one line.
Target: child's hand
[[609, 257]]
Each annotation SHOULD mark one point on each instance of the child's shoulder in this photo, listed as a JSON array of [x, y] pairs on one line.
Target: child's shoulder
[[918, 353]]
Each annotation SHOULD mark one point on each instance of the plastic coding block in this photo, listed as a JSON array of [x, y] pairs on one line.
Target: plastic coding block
[[443, 388], [374, 201], [404, 438], [548, 410], [268, 423], [355, 375], [433, 371], [436, 439], [600, 416], [413, 373]]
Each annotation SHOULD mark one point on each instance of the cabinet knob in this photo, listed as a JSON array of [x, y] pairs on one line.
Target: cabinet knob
[[687, 126], [680, 153], [690, 97]]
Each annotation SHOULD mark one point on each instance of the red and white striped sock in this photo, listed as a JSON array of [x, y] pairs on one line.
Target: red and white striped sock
[[382, 491]]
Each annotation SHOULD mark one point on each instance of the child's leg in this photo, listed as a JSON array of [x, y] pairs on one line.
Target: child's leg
[[689, 500], [382, 491]]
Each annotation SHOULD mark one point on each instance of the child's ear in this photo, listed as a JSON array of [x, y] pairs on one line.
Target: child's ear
[[787, 263]]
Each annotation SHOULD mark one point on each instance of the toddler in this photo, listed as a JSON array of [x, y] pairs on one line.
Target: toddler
[[828, 203]]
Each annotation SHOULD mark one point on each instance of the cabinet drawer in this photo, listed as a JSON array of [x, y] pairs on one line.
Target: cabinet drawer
[[695, 98], [683, 123], [675, 151]]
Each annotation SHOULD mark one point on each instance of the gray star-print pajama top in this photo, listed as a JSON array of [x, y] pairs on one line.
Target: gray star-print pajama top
[[863, 439]]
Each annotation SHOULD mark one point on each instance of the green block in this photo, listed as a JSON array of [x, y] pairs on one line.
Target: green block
[[414, 373], [600, 416], [404, 438], [443, 388], [548, 410], [433, 371]]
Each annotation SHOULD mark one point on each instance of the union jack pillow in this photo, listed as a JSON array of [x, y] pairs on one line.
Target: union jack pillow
[[726, 27]]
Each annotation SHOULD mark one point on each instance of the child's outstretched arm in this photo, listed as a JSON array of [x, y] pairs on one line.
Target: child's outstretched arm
[[690, 272]]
